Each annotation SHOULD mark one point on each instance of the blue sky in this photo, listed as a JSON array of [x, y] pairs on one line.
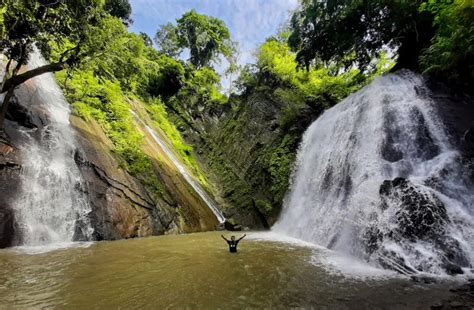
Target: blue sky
[[250, 21]]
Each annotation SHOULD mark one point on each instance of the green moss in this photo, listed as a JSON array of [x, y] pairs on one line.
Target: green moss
[[104, 101], [264, 206], [158, 114], [281, 163]]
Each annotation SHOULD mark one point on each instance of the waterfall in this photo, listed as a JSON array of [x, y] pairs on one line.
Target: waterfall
[[51, 207], [184, 172], [377, 178]]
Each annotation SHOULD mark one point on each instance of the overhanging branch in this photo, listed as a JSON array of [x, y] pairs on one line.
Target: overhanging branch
[[21, 78]]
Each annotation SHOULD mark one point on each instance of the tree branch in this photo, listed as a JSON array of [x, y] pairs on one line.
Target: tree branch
[[21, 78]]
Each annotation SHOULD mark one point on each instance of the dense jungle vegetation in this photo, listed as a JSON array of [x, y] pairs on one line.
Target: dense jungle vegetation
[[328, 50]]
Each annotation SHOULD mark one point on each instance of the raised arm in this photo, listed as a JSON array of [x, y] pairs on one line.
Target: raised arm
[[245, 235], [224, 238]]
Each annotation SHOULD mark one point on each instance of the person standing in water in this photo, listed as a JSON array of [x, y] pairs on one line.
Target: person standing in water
[[233, 243]]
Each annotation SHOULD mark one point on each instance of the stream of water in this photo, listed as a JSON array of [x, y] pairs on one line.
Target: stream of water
[[51, 203], [183, 171]]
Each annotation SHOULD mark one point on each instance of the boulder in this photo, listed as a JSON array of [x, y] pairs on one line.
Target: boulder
[[419, 215], [7, 227], [10, 164], [415, 214], [231, 225]]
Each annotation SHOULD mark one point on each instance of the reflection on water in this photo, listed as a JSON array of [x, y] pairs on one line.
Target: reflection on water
[[195, 271]]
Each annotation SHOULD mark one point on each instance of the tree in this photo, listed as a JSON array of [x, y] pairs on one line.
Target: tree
[[206, 38], [166, 81], [121, 9], [146, 39], [450, 56], [68, 26], [329, 30], [167, 39]]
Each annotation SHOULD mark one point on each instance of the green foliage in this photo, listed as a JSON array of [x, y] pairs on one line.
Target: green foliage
[[330, 30], [146, 39], [206, 38], [104, 101], [199, 95], [120, 9], [451, 54], [3, 9], [204, 84], [68, 24], [281, 163], [323, 86], [264, 206], [158, 114], [167, 39], [166, 81], [434, 36], [121, 55]]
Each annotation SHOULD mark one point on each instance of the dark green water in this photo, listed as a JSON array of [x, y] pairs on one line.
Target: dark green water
[[196, 271]]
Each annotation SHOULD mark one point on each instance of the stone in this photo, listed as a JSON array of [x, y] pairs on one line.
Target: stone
[[231, 225], [452, 269], [456, 304], [420, 214], [10, 164], [7, 227], [416, 213]]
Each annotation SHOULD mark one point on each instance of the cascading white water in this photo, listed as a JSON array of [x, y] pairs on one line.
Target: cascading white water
[[51, 202], [387, 130], [184, 172]]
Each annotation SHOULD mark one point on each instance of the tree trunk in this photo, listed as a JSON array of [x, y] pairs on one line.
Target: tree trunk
[[10, 84], [21, 78], [4, 107]]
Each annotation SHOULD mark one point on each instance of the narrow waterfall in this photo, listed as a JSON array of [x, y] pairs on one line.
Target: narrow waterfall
[[184, 172], [377, 178], [51, 207]]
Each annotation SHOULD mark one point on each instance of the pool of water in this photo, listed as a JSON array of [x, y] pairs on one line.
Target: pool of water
[[197, 271]]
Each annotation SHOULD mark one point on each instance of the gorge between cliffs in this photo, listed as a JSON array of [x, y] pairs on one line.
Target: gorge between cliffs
[[347, 165]]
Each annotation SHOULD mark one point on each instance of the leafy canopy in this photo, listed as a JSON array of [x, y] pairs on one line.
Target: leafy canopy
[[120, 9], [206, 38], [65, 23], [451, 53], [427, 35], [329, 30]]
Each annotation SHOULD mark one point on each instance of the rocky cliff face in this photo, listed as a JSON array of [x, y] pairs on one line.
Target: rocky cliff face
[[248, 152], [121, 205], [9, 170], [249, 149]]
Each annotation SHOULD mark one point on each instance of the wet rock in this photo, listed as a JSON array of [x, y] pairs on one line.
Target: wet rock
[[437, 305], [452, 269], [231, 225], [456, 304], [7, 227], [390, 151], [416, 215], [21, 115], [10, 164], [121, 207], [420, 214]]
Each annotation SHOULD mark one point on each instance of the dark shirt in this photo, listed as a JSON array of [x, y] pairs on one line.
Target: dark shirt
[[233, 245]]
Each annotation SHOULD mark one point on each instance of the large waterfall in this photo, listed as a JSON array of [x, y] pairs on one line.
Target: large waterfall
[[51, 207], [377, 178]]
